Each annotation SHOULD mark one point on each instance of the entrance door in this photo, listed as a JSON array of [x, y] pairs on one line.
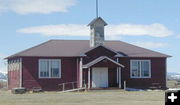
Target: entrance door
[[99, 77]]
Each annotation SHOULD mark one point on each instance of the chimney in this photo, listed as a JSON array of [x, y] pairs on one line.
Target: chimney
[[97, 32]]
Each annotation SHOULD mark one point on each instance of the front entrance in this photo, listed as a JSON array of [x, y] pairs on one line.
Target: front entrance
[[100, 77]]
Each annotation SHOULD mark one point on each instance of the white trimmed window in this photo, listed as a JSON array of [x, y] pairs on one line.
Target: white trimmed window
[[140, 68], [49, 68]]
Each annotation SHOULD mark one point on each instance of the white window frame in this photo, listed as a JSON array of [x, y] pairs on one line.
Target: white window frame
[[149, 61], [49, 60]]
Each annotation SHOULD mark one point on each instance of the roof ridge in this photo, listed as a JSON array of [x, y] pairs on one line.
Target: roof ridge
[[66, 40], [80, 40]]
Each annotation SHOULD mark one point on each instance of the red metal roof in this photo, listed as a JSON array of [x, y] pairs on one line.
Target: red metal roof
[[74, 48]]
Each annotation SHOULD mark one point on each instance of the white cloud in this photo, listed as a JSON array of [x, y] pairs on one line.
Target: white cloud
[[111, 31], [151, 45], [58, 30], [36, 6], [155, 30]]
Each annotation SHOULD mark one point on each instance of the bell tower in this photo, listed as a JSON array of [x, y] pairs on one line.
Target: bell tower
[[97, 29], [97, 32]]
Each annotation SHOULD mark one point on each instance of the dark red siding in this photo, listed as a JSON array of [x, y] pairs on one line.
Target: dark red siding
[[13, 77], [31, 79], [97, 52], [112, 77], [158, 73]]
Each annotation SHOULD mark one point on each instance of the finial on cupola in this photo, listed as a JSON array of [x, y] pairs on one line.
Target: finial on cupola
[[97, 30]]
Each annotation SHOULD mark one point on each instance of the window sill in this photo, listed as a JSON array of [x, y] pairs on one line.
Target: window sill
[[140, 77], [50, 78]]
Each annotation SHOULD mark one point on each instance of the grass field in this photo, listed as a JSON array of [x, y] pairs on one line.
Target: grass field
[[100, 97]]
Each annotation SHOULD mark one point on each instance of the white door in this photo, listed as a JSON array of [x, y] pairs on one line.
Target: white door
[[99, 77]]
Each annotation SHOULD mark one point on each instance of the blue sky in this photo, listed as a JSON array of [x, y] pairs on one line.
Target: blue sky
[[152, 24]]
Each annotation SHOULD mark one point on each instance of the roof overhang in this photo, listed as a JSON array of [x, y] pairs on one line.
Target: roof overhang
[[99, 60]]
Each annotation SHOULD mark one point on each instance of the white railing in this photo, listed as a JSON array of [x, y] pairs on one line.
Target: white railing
[[70, 85]]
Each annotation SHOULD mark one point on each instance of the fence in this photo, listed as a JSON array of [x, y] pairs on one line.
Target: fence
[[69, 86]]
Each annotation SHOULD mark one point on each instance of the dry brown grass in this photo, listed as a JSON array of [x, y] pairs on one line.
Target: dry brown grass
[[172, 84], [104, 97], [3, 85]]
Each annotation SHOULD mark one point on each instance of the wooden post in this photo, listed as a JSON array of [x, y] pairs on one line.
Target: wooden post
[[20, 64], [119, 77], [63, 86], [77, 61], [124, 85], [89, 78], [80, 74]]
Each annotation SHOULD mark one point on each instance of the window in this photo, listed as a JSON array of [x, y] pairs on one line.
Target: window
[[140, 69], [49, 68]]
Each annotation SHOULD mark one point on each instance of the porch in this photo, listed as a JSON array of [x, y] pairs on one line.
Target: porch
[[102, 72]]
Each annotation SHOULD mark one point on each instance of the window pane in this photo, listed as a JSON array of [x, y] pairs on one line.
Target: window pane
[[55, 68], [44, 68], [135, 69], [145, 69]]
